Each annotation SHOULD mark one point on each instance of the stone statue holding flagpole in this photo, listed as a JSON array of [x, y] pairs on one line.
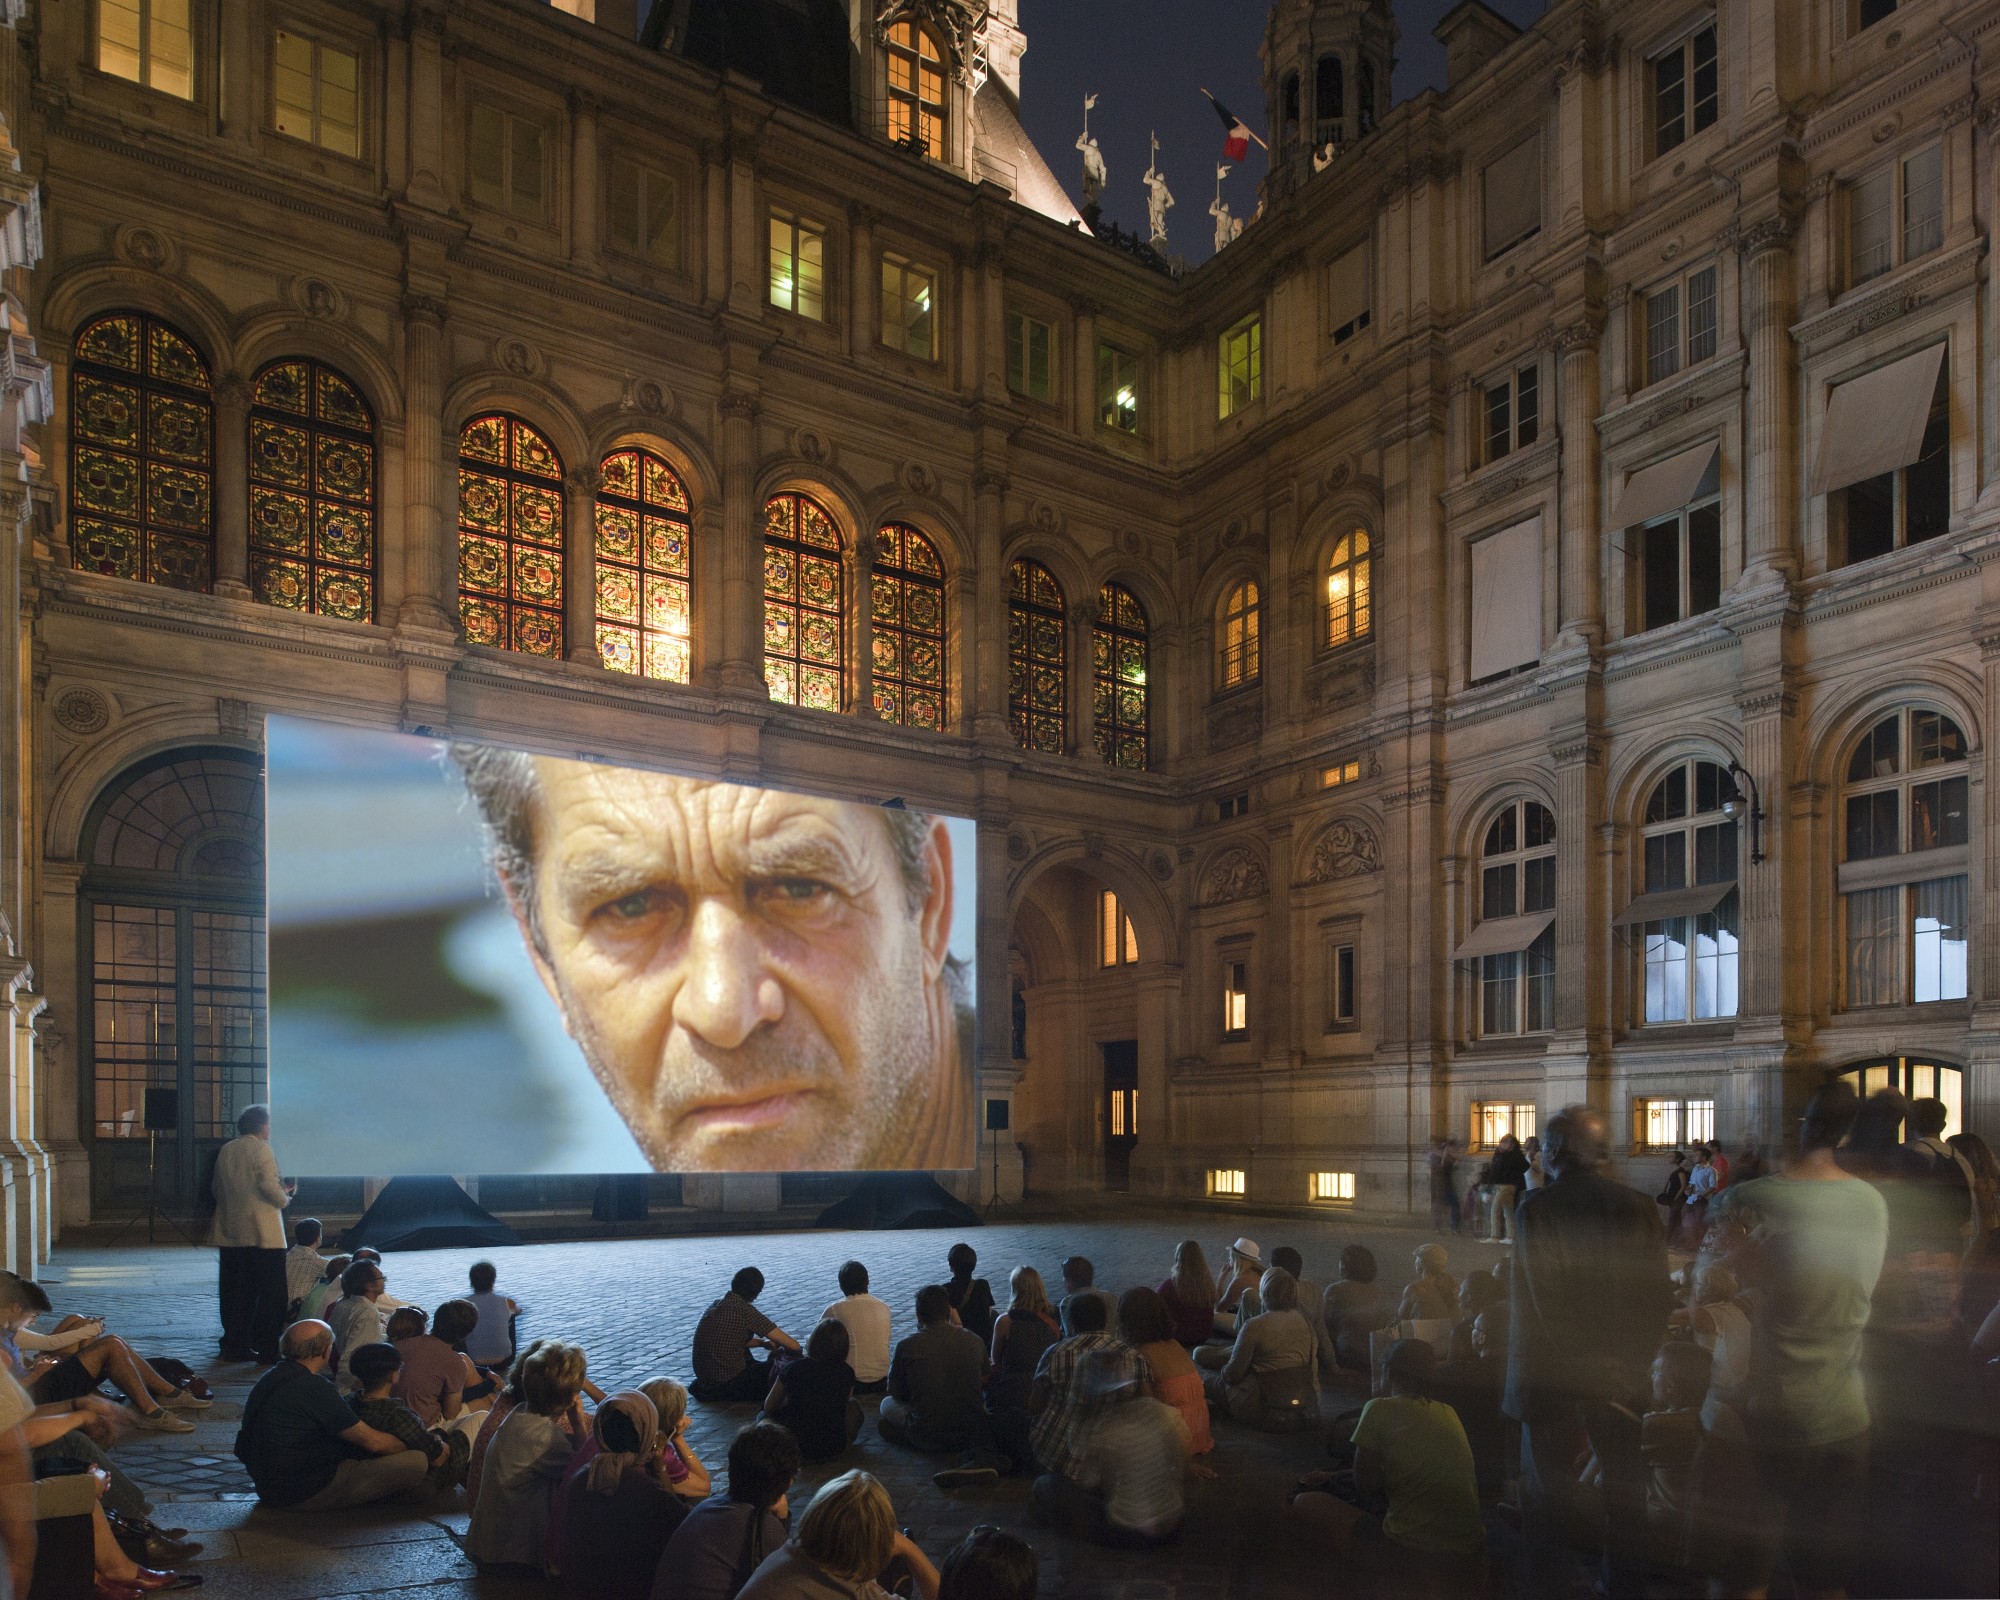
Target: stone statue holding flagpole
[[1094, 174], [1158, 200], [1226, 226]]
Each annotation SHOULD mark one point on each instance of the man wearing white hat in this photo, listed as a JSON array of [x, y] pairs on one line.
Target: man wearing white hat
[[1240, 1271]]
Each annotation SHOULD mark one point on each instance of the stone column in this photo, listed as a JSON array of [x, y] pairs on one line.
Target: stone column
[[740, 659], [585, 183], [1083, 678], [232, 488], [1771, 523], [864, 278], [1577, 1061], [1581, 581], [860, 669], [986, 626], [1085, 417], [427, 102], [428, 581], [1277, 978], [1159, 984], [238, 48], [580, 567]]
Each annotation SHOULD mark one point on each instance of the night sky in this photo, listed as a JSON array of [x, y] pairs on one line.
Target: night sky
[[1147, 62]]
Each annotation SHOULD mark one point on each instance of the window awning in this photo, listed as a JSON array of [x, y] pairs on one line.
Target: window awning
[[1506, 599], [1875, 423], [1662, 905], [1504, 936], [1347, 287], [1664, 486], [1913, 866]]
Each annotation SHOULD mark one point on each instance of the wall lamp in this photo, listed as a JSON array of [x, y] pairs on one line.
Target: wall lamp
[[1734, 800]]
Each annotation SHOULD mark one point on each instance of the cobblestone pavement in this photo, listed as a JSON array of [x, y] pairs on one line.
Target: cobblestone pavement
[[633, 1304]]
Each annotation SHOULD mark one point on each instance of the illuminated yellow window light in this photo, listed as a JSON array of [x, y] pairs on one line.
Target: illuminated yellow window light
[[1124, 1113], [1344, 772], [916, 90], [1235, 996], [1350, 611], [316, 92], [1331, 1188], [1226, 1183], [1117, 940], [798, 266], [147, 42], [1493, 1120], [908, 293]]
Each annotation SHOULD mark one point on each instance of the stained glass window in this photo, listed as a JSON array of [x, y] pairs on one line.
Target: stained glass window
[[1350, 591], [312, 492], [142, 440], [906, 591], [645, 604], [805, 634], [1037, 659], [510, 537], [1118, 668]]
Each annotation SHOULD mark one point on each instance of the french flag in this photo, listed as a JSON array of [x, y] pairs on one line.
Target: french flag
[[1235, 142]]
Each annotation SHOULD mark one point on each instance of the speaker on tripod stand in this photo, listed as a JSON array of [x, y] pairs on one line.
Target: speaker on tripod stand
[[997, 1115], [162, 1114]]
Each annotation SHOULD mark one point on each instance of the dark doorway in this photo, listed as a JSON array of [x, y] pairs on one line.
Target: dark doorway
[[1121, 1110]]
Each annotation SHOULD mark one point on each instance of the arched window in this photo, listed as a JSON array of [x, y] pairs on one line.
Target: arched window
[[312, 492], [1365, 110], [1330, 101], [1239, 650], [510, 537], [1118, 666], [1288, 107], [1037, 659], [1350, 590], [1914, 1078], [906, 593], [142, 448], [805, 629], [1515, 941], [645, 604], [916, 90], [173, 903], [1690, 889], [1907, 862]]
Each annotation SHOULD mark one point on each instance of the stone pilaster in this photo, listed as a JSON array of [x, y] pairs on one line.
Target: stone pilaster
[[580, 567], [741, 657], [986, 623], [1771, 519], [429, 597], [1582, 565], [1578, 1065], [232, 497], [586, 184]]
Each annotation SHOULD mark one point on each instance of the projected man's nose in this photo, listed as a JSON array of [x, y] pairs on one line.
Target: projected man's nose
[[725, 994]]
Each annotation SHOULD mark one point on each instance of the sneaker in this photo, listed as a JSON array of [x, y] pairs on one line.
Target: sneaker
[[181, 1400], [162, 1421], [965, 1477]]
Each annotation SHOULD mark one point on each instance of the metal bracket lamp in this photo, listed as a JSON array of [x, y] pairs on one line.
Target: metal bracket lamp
[[1734, 801]]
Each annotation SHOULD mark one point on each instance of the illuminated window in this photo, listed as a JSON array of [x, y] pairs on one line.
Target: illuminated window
[[1235, 998], [1117, 941], [1226, 1183], [317, 93], [1030, 356], [916, 90], [907, 596], [147, 42], [798, 266], [805, 631], [1914, 1079], [1517, 878], [1339, 985], [645, 598], [1672, 1124], [506, 163], [1905, 875], [1037, 659], [1690, 961], [642, 212], [1342, 772], [1124, 1113], [511, 527], [1685, 90], [312, 492], [1350, 590], [1238, 646], [909, 307], [142, 429], [1240, 366], [1331, 1188], [1493, 1120], [1117, 389], [1118, 665]]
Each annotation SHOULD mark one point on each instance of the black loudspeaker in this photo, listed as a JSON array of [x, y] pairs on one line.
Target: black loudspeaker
[[163, 1110], [996, 1115]]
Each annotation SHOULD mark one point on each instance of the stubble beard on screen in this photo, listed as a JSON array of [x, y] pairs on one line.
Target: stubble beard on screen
[[862, 1120]]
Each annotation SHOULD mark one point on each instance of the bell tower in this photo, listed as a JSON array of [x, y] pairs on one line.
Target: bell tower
[[1326, 75]]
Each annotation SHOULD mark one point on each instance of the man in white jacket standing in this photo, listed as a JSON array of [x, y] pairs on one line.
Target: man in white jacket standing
[[250, 1201]]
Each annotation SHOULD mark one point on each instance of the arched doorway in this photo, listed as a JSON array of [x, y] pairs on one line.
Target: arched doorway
[[1918, 1078], [172, 925]]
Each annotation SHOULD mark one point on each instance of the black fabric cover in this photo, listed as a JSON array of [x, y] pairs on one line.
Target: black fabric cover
[[426, 1214], [899, 1200]]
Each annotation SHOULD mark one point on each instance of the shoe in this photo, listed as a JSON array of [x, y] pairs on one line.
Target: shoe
[[150, 1582], [162, 1421], [111, 1589], [163, 1552], [965, 1477], [181, 1400]]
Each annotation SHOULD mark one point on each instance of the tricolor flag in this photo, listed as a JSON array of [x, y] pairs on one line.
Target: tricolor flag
[[1236, 142]]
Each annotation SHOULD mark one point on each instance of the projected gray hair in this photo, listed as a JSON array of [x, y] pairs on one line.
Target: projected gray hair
[[504, 786]]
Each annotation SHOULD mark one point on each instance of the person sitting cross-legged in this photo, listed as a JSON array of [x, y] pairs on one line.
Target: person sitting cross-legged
[[304, 1265], [1127, 1488], [680, 1467], [1354, 1306], [934, 1402], [302, 1443], [1271, 1378], [1432, 1294], [726, 1538], [867, 1322], [989, 1564], [814, 1396], [57, 1380], [376, 1368], [1059, 1401], [526, 1460], [620, 1511], [731, 1327], [846, 1544], [324, 1293], [436, 1371], [361, 1314]]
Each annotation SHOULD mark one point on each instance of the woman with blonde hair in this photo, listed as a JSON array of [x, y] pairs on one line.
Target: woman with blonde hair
[[527, 1458], [1433, 1292], [1189, 1293], [681, 1467], [843, 1545], [1020, 1337]]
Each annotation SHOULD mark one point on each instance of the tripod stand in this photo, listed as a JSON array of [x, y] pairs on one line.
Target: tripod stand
[[996, 1203], [152, 1215]]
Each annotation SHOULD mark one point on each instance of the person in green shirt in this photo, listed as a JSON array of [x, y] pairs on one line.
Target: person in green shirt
[[1816, 1239], [1410, 1450]]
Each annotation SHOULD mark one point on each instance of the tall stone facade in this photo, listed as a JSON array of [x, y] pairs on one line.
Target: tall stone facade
[[1514, 628]]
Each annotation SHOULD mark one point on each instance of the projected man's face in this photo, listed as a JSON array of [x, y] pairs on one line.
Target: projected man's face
[[746, 974]]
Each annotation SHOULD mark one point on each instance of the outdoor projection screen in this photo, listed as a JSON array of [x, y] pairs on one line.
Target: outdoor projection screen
[[484, 960]]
